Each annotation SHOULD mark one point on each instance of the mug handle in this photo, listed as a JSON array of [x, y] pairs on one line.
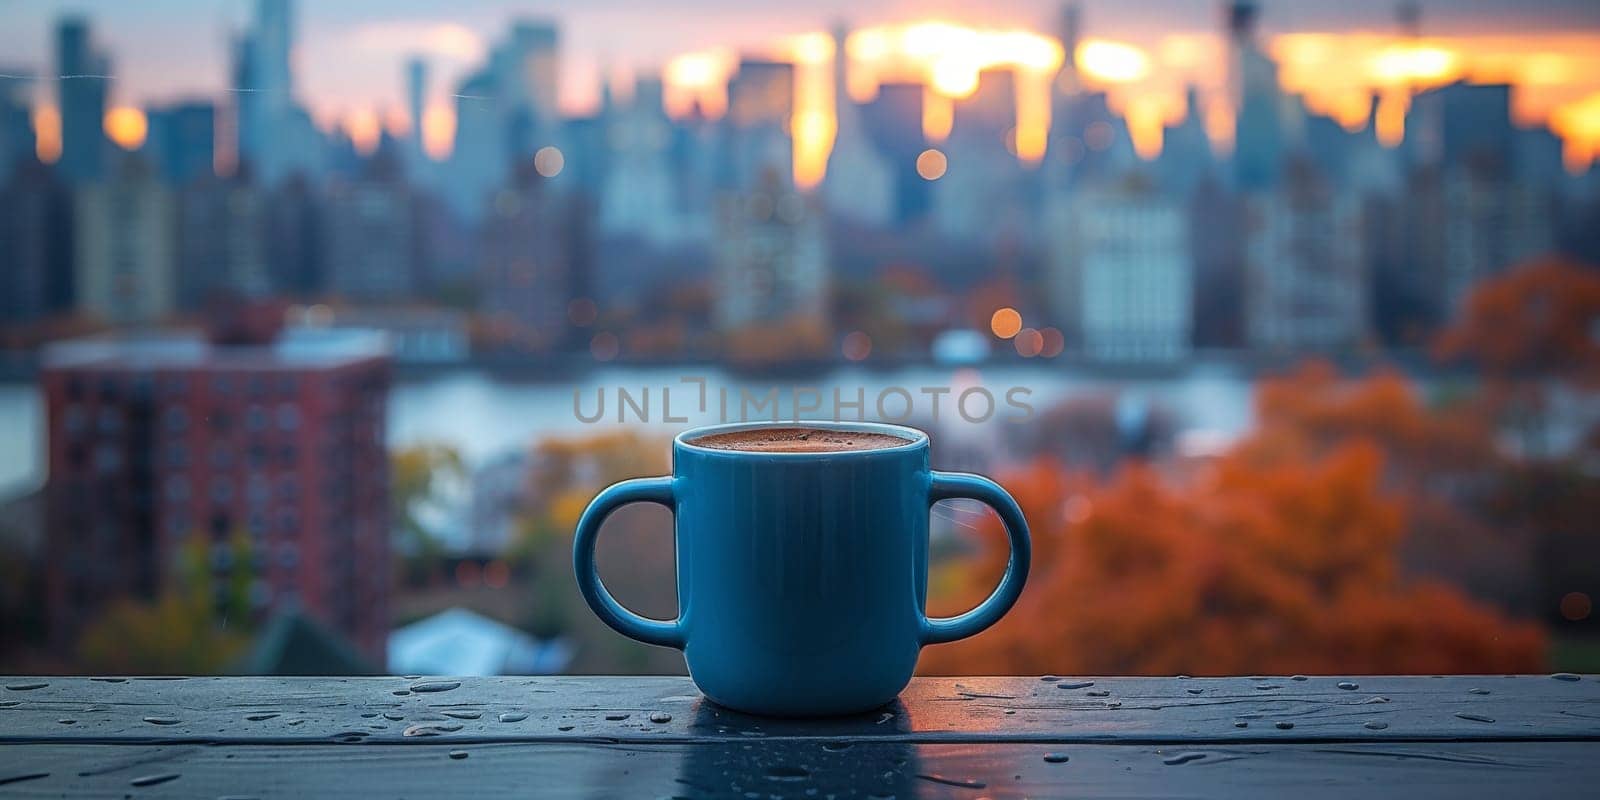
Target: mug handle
[[952, 485], [667, 633]]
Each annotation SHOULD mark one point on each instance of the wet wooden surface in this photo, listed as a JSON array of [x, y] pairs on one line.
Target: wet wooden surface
[[1316, 736]]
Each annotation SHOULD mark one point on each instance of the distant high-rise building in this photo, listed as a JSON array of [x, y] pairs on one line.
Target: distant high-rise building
[[83, 77], [370, 237], [529, 72], [1120, 272], [1258, 150], [273, 454], [1185, 157], [1470, 223], [416, 98], [274, 134], [124, 233], [16, 128], [292, 238], [760, 105], [181, 141], [1306, 287], [221, 249], [1459, 124], [981, 197], [36, 273], [771, 278], [527, 274], [639, 196], [894, 121], [859, 184]]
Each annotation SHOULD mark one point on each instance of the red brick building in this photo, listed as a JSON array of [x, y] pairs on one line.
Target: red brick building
[[159, 442]]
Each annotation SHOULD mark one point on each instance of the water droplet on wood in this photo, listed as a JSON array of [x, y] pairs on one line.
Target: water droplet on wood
[[431, 729], [1565, 676], [458, 754], [1057, 758], [616, 717], [67, 721], [1049, 678], [162, 720], [787, 773], [660, 717], [1375, 725], [265, 715], [26, 687], [1075, 685], [1182, 758], [1477, 691], [26, 776], [1283, 726], [434, 686], [834, 747], [1194, 691], [152, 780], [565, 727], [1241, 724], [1298, 678], [513, 716], [1098, 693], [1348, 686], [463, 714], [967, 783], [1474, 717], [393, 716]]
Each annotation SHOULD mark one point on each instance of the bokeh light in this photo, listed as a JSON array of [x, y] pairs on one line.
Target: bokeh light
[[931, 164], [604, 346], [1005, 322], [1054, 342], [1576, 606], [126, 127], [856, 346], [1029, 342], [582, 312], [548, 161]]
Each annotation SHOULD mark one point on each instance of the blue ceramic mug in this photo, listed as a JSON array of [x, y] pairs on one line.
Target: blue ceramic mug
[[802, 577]]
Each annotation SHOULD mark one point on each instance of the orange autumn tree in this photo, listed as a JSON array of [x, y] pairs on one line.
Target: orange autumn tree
[[1535, 334], [1282, 556]]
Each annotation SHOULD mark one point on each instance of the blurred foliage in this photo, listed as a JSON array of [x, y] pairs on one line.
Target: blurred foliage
[[635, 558], [1283, 555], [200, 624], [417, 476]]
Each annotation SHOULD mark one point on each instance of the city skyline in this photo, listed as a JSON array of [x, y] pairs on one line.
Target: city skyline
[[1145, 72]]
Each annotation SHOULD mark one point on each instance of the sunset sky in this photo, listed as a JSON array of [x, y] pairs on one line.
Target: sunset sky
[[349, 54]]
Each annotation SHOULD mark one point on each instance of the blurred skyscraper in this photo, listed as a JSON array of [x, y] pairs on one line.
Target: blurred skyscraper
[[859, 185], [16, 129], [83, 78], [1120, 274], [527, 276], [36, 239], [181, 140], [123, 234], [369, 240], [221, 222], [771, 282], [760, 105], [639, 197], [1306, 287], [1257, 102], [981, 195], [275, 136]]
